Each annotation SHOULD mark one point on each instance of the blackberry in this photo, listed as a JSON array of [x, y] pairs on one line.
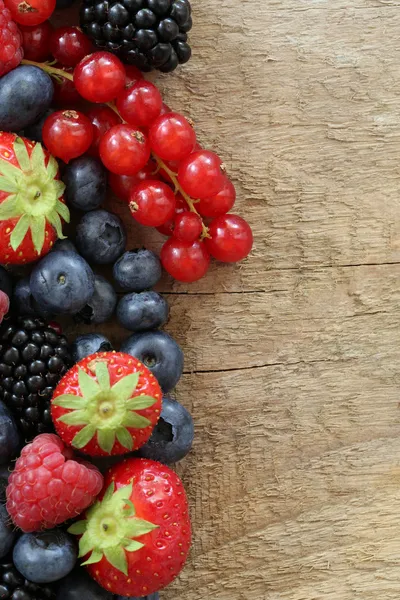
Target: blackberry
[[150, 34], [33, 358], [13, 586]]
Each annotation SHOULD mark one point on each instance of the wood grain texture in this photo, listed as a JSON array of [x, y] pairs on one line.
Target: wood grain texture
[[292, 358]]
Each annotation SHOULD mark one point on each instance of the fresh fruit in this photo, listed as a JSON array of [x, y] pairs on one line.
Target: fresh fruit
[[124, 150], [160, 353], [64, 246], [149, 35], [219, 204], [64, 3], [89, 343], [121, 185], [48, 486], [152, 203], [6, 282], [85, 179], [139, 312], [66, 95], [101, 305], [69, 45], [99, 77], [79, 584], [137, 536], [202, 174], [180, 207], [231, 238], [172, 437], [31, 200], [185, 261], [30, 13], [68, 277], [14, 586], [139, 104], [133, 74], [11, 52], [187, 227], [9, 436], [67, 134], [24, 302], [7, 534], [35, 131], [25, 94], [100, 237], [102, 119], [172, 137], [36, 41], [4, 305], [137, 270], [45, 556], [5, 472], [107, 404], [33, 358]]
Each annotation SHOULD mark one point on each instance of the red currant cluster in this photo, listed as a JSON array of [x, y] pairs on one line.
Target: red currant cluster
[[154, 161]]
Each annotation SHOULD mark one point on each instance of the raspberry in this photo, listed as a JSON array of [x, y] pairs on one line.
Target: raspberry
[[48, 486], [11, 52]]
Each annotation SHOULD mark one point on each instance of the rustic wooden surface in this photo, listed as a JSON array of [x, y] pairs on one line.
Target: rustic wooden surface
[[292, 358]]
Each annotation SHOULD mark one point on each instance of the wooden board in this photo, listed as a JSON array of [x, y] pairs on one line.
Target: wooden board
[[293, 357]]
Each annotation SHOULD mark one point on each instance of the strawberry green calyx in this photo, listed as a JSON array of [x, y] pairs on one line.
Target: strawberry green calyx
[[110, 529], [34, 195], [104, 410]]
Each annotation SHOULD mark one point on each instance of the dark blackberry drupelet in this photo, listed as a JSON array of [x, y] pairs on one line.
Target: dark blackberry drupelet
[[33, 358], [150, 34], [13, 586]]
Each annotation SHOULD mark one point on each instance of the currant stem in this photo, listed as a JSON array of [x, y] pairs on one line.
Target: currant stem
[[53, 71]]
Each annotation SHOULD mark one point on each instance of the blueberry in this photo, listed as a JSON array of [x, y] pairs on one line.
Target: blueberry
[[45, 556], [24, 302], [62, 283], [101, 305], [86, 183], [6, 284], [5, 472], [137, 270], [9, 436], [100, 237], [87, 344], [172, 437], [154, 596], [64, 246], [34, 132], [78, 585], [7, 532], [160, 353], [146, 310], [25, 94]]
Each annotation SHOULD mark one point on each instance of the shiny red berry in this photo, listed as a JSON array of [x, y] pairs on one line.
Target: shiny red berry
[[172, 137], [65, 93], [180, 207], [122, 185], [152, 203], [139, 104], [124, 150], [201, 174], [187, 227], [99, 77], [132, 75], [185, 261], [67, 134], [102, 118], [30, 12], [219, 204], [231, 238], [36, 41], [69, 45]]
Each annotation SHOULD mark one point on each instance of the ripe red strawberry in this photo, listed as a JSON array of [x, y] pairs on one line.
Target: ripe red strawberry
[[107, 404], [11, 51], [137, 537], [31, 200], [48, 487]]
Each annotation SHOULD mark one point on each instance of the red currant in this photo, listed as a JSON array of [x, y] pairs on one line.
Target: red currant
[[69, 45], [168, 227], [102, 118], [99, 77], [140, 104], [201, 174], [124, 150], [231, 238], [187, 227], [219, 204], [36, 41], [165, 109], [172, 137], [121, 185], [67, 134], [30, 12], [152, 203], [185, 261], [65, 93], [132, 75]]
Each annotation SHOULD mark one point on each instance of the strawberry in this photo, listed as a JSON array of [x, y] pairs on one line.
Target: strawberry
[[107, 404], [31, 200], [137, 536]]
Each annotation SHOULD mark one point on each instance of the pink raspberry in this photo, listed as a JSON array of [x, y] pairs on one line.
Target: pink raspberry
[[4, 305], [11, 52], [48, 487]]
